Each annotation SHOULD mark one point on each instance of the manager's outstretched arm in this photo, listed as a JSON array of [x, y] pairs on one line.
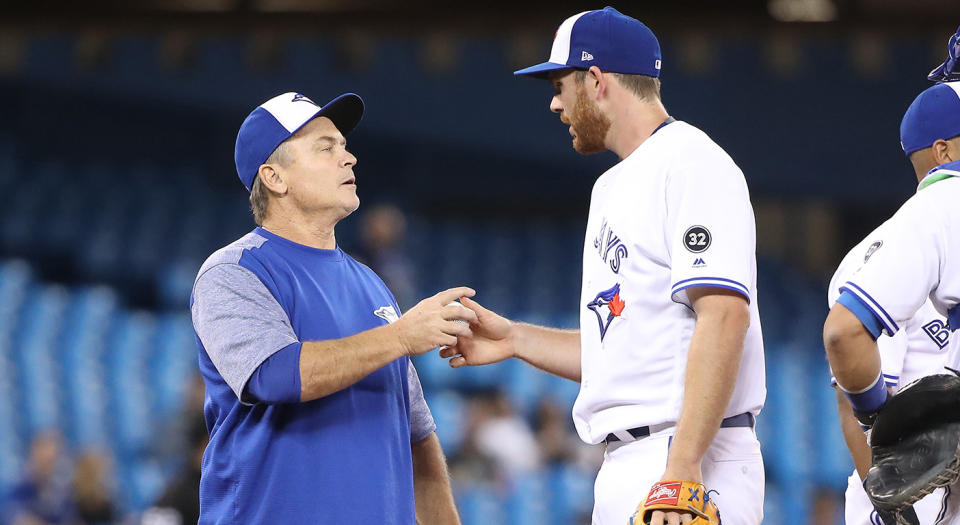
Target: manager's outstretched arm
[[330, 366], [249, 339]]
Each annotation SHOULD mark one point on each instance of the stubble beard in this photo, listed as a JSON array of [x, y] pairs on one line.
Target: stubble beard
[[590, 125]]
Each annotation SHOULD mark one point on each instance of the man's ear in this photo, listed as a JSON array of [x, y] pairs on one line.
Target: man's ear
[[941, 152], [272, 179], [595, 82], [951, 150]]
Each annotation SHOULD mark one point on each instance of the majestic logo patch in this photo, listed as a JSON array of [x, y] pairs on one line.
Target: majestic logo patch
[[387, 313], [697, 239], [608, 306], [298, 98], [664, 494], [699, 262], [870, 251]]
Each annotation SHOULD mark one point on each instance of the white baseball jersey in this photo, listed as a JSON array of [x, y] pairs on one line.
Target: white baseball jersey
[[918, 258], [674, 214], [920, 347]]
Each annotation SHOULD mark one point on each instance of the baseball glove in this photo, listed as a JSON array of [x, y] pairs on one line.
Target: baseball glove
[[915, 442], [678, 496], [906, 516]]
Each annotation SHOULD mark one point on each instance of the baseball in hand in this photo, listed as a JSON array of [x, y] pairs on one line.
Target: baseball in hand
[[461, 321]]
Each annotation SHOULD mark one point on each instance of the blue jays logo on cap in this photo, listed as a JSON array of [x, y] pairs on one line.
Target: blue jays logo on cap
[[297, 97], [605, 38], [607, 302], [279, 118]]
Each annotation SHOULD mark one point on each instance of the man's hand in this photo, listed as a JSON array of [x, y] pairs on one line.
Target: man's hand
[[684, 472], [670, 518], [432, 322], [676, 502], [490, 340]]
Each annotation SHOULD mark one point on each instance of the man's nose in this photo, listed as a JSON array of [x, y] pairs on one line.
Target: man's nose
[[555, 105], [349, 160]]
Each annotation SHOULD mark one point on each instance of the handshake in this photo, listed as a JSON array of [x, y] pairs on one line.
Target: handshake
[[466, 332]]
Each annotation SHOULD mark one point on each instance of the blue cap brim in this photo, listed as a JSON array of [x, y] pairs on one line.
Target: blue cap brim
[[540, 70], [345, 111]]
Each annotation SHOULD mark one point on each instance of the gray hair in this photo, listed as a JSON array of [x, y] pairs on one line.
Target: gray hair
[[259, 194]]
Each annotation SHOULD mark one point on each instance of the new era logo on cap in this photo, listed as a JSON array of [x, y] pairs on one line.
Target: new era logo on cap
[[605, 38], [279, 118]]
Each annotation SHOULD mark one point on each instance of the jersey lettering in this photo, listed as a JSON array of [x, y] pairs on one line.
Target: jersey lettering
[[610, 248], [937, 330]]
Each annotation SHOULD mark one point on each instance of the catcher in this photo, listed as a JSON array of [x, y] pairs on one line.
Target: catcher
[[909, 265]]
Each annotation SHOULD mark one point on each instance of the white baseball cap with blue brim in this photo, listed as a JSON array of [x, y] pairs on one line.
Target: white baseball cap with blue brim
[[279, 118], [606, 38]]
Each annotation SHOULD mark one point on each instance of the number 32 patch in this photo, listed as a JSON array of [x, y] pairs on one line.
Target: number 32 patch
[[697, 239]]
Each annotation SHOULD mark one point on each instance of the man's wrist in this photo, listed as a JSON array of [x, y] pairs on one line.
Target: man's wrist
[[683, 466], [515, 338], [395, 340]]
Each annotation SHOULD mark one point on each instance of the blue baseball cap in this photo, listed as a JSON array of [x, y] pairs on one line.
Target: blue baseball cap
[[934, 114], [605, 38], [277, 119]]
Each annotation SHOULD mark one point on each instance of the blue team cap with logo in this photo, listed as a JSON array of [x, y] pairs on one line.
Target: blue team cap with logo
[[606, 38], [279, 118], [935, 114]]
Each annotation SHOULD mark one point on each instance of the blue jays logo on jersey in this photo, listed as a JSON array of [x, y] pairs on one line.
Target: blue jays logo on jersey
[[387, 313], [608, 306], [873, 247], [611, 249]]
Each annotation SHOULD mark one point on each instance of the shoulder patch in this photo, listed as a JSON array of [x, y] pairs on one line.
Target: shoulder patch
[[697, 239]]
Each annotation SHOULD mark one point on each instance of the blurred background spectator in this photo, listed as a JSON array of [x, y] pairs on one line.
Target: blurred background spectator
[[42, 497], [93, 489], [383, 227], [116, 164]]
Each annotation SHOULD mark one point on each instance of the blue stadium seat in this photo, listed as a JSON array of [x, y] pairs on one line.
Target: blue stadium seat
[[571, 493], [449, 413], [86, 330], [38, 358], [787, 422], [528, 500], [174, 362], [130, 396], [479, 505]]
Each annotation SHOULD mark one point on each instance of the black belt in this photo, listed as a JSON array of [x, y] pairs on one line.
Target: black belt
[[745, 419]]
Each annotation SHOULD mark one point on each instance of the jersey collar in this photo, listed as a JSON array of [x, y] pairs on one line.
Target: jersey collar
[[943, 171], [670, 120]]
